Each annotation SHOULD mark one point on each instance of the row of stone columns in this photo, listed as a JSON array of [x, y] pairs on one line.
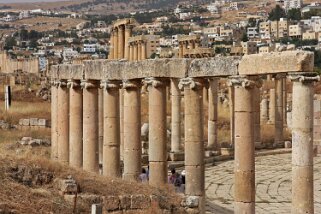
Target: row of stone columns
[[119, 47], [188, 44], [75, 132], [137, 50]]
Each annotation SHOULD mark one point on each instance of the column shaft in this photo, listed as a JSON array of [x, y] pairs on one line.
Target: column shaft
[[278, 136], [100, 123], [176, 116], [194, 144], [90, 127], [131, 53], [157, 133], [128, 34], [139, 51], [121, 116], [264, 112], [231, 107], [302, 146], [63, 123], [144, 51], [244, 171], [212, 114], [75, 125], [54, 115], [256, 116], [132, 135], [121, 41], [111, 148], [115, 40], [272, 106], [135, 58]]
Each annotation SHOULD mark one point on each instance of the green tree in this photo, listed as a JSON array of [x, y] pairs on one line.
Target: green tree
[[33, 43], [277, 13], [10, 43], [244, 37], [294, 14]]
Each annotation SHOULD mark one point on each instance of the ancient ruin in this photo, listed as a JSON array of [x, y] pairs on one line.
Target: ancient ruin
[[75, 119]]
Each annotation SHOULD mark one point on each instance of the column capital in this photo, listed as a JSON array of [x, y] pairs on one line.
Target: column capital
[[110, 84], [155, 82], [121, 28], [280, 76], [73, 83], [243, 81], [192, 83], [127, 84], [129, 27], [304, 77], [61, 83], [87, 84]]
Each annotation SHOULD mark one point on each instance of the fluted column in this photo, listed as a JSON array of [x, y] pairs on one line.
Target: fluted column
[[144, 50], [278, 125], [132, 134], [54, 117], [244, 170], [139, 51], [90, 126], [135, 58], [121, 41], [157, 131], [302, 142], [115, 41], [111, 147], [75, 124], [111, 47], [63, 122], [212, 114], [176, 116], [128, 34], [194, 143]]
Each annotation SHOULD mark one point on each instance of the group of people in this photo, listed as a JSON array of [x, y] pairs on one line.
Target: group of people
[[174, 178]]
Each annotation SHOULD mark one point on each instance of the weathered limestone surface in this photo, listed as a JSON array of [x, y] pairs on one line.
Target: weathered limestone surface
[[277, 62], [74, 71]]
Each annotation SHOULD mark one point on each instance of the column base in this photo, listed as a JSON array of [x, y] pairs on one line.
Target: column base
[[177, 156]]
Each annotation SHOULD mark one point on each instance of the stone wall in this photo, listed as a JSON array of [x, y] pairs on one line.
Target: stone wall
[[9, 65]]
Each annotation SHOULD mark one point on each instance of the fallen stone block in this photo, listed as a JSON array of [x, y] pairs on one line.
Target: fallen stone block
[[67, 186], [111, 203]]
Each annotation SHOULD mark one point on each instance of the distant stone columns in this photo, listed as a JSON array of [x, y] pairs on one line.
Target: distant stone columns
[[90, 126], [181, 50], [212, 114], [244, 171], [135, 55], [157, 131], [132, 136], [139, 51], [54, 120], [264, 111], [256, 112], [278, 135], [63, 122], [75, 124], [128, 34], [115, 40], [144, 51], [176, 116], [302, 142], [194, 144], [121, 41], [111, 141]]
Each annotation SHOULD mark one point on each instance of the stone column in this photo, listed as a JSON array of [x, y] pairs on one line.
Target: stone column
[[302, 142], [139, 53], [205, 96], [115, 40], [111, 47], [194, 144], [111, 147], [244, 171], [131, 53], [176, 116], [75, 124], [121, 41], [54, 115], [256, 113], [128, 34], [264, 110], [231, 107], [132, 136], [181, 50], [135, 58], [144, 50], [100, 123], [285, 99], [272, 106], [184, 48], [157, 131], [212, 114], [121, 115], [278, 125], [63, 122], [90, 126]]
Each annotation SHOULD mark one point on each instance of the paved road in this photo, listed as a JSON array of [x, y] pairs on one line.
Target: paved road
[[273, 185]]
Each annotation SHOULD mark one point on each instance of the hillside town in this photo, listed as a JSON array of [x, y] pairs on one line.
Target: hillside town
[[202, 29]]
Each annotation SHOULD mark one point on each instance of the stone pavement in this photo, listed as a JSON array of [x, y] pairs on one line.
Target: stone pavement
[[273, 185]]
